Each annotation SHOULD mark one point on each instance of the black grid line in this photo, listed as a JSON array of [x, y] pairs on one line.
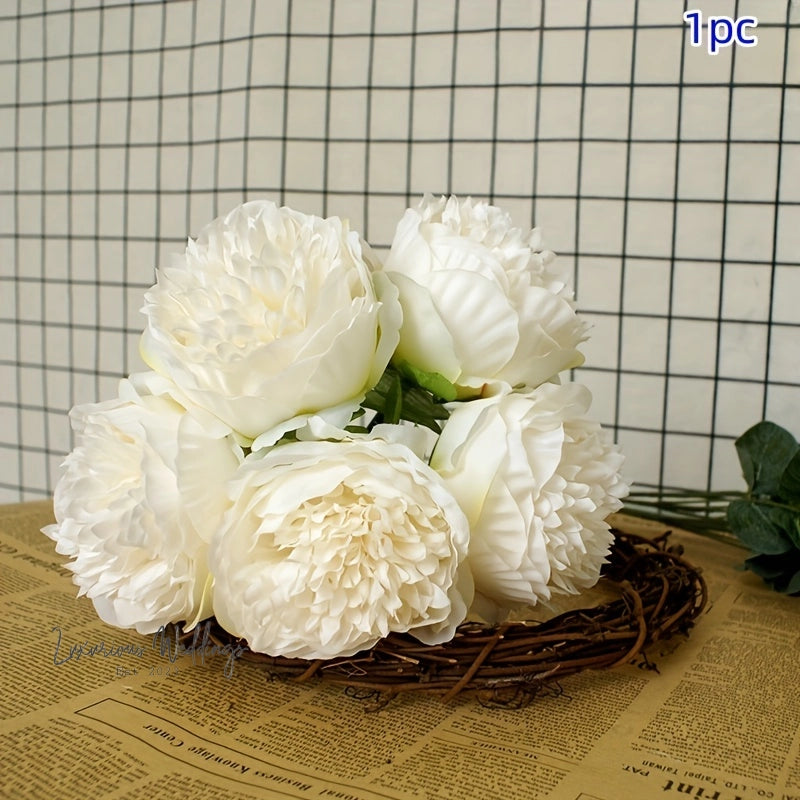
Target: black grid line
[[581, 138], [495, 104], [43, 267], [159, 130], [536, 138], [285, 110], [411, 82], [126, 177], [190, 120], [672, 256], [452, 109], [721, 291], [15, 442], [368, 111], [661, 176], [217, 93], [777, 204], [326, 152], [623, 263]]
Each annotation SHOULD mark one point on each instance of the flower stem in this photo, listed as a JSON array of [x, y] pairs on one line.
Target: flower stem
[[695, 510]]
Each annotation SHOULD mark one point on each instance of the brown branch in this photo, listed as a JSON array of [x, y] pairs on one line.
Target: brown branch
[[660, 594]]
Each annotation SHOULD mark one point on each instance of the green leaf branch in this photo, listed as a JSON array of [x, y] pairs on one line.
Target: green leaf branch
[[765, 518], [407, 393]]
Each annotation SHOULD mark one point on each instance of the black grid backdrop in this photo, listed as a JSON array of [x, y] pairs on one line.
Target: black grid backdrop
[[665, 178]]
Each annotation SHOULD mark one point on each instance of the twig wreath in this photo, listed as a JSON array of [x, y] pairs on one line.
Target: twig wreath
[[508, 664]]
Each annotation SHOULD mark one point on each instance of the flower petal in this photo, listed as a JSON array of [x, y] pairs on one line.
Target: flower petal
[[426, 341], [330, 546]]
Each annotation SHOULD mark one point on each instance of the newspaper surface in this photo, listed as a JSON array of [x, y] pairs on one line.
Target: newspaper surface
[[91, 710]]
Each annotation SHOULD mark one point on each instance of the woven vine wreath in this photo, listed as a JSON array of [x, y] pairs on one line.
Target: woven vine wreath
[[659, 595]]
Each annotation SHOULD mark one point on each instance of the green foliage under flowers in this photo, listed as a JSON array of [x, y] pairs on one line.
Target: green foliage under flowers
[[765, 518], [407, 393]]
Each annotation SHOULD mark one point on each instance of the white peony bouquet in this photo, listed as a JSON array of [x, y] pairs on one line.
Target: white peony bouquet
[[328, 449]]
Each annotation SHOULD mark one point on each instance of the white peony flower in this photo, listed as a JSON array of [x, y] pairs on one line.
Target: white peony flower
[[137, 502], [536, 480], [482, 303], [330, 546], [271, 315]]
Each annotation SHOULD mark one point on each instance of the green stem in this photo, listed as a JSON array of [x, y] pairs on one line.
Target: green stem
[[763, 501], [699, 511], [696, 495], [712, 527]]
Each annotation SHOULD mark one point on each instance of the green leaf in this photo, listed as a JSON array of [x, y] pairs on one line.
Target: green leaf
[[767, 567], [435, 383], [393, 402], [781, 572], [793, 586], [396, 398], [764, 451], [793, 530], [375, 396], [355, 429], [420, 408], [789, 484], [420, 401], [762, 527]]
